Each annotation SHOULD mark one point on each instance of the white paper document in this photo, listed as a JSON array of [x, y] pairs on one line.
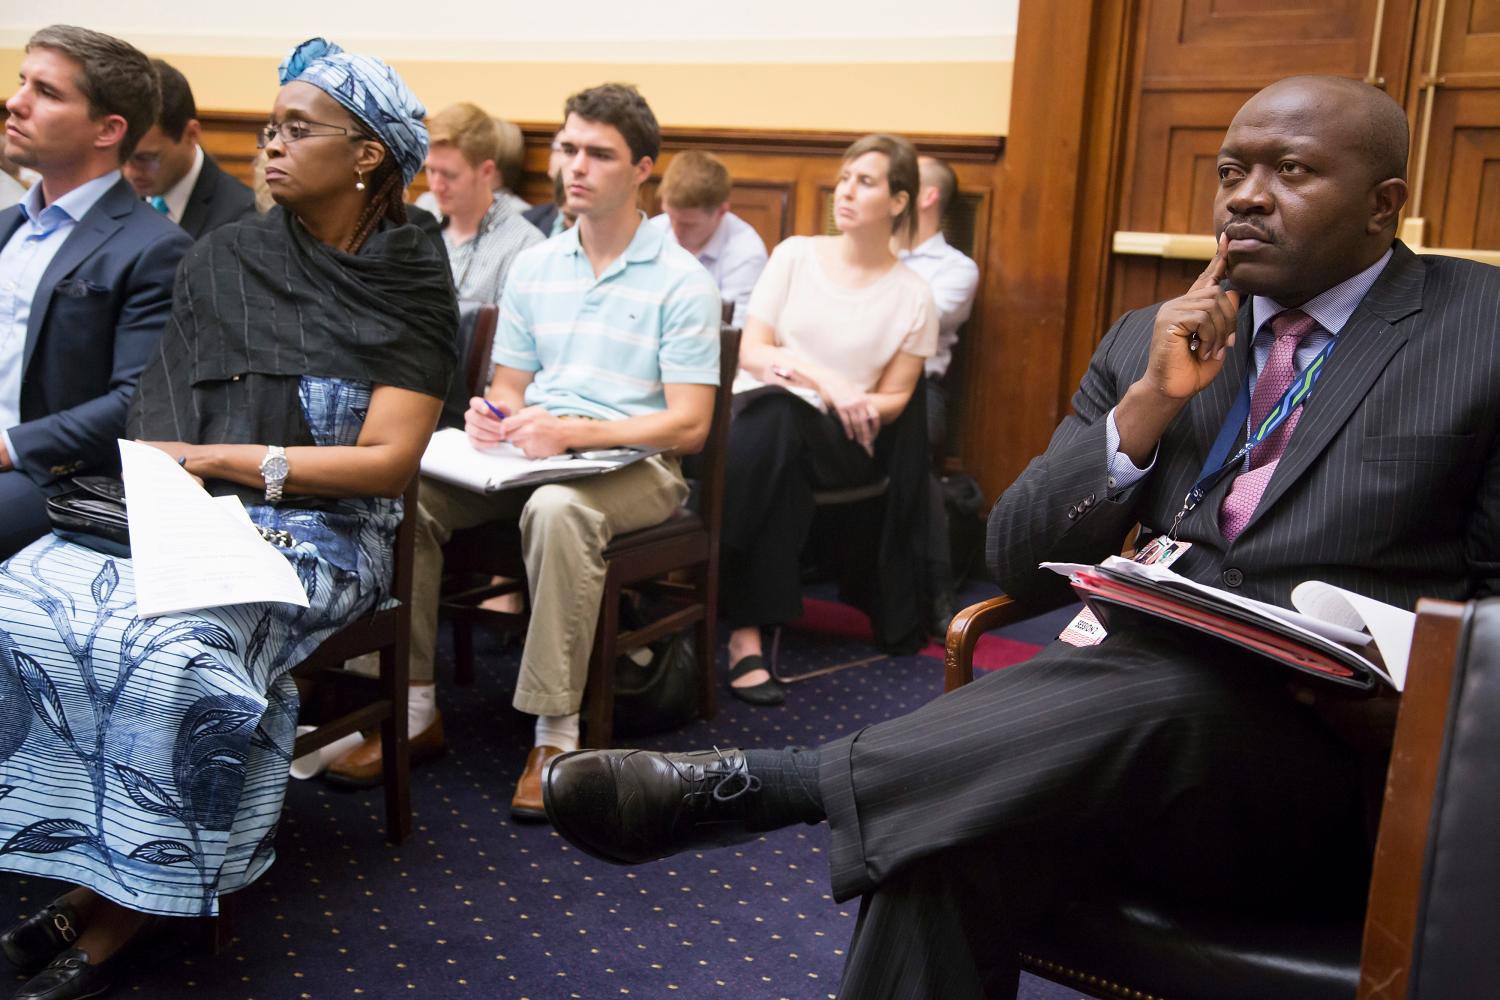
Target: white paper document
[[191, 550], [451, 458]]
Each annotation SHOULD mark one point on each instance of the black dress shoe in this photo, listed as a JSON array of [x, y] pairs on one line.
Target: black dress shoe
[[767, 692], [69, 977], [35, 941], [632, 806]]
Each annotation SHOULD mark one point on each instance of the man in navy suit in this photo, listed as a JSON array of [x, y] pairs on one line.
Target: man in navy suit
[[172, 172], [86, 268]]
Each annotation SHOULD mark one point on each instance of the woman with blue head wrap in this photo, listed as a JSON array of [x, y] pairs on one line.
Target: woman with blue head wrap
[[302, 370]]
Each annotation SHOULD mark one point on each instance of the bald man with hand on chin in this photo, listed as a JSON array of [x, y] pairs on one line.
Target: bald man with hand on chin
[[1160, 756]]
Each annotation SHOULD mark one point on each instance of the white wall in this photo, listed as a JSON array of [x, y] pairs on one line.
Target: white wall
[[817, 31]]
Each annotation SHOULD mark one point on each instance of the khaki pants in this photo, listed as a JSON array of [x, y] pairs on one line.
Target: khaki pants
[[564, 529]]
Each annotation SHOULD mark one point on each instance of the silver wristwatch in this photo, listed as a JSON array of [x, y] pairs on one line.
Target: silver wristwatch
[[274, 470]]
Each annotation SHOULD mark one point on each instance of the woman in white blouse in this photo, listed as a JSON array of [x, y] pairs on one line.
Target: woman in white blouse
[[837, 332]]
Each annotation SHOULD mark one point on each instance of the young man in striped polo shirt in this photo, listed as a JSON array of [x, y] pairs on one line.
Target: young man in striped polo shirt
[[609, 335]]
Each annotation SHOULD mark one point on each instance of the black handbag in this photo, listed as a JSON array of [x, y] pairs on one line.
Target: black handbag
[[660, 695], [90, 511]]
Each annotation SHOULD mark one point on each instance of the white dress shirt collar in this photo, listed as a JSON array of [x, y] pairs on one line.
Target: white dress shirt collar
[[178, 194]]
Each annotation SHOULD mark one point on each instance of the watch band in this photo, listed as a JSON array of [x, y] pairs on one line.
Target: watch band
[[274, 470]]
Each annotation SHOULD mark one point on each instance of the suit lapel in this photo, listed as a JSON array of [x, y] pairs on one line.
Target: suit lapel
[[10, 221], [97, 225], [1366, 345], [196, 210]]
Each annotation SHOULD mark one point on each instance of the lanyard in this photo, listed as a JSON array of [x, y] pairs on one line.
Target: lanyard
[[1216, 467]]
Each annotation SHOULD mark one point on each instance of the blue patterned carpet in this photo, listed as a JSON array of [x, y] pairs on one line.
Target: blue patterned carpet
[[475, 905]]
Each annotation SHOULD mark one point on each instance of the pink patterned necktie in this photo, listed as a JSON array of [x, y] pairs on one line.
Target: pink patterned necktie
[[1289, 327]]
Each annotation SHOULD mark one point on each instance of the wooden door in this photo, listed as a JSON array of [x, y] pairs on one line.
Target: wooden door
[[1456, 159]]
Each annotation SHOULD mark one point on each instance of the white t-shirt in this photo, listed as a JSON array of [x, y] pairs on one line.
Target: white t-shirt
[[854, 331]]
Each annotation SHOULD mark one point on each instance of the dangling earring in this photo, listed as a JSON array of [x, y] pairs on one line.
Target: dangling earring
[[359, 185]]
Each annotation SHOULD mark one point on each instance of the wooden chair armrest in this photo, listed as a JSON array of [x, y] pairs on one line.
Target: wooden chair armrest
[[1411, 784], [964, 632]]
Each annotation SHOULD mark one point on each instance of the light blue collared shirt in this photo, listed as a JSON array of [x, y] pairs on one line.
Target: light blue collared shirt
[[606, 346], [23, 261], [1331, 310]]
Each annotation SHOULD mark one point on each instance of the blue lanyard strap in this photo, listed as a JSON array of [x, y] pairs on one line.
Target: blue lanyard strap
[[1216, 467]]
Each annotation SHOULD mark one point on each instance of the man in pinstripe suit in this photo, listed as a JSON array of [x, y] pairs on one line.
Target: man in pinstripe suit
[[1155, 755]]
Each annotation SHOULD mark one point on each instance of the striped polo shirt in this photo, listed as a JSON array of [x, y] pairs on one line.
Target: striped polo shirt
[[603, 347]]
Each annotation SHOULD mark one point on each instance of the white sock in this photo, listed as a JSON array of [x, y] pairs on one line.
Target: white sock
[[421, 707], [559, 731]]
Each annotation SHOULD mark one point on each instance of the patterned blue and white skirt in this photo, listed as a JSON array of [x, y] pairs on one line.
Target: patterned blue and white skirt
[[147, 758]]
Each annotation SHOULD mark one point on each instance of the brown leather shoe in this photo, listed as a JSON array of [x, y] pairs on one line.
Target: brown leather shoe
[[361, 768], [526, 804]]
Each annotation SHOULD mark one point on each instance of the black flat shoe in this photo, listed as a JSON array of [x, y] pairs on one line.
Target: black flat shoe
[[632, 806], [767, 692], [35, 941], [69, 977]]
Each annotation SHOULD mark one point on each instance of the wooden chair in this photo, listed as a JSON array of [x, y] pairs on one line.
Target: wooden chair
[[476, 340], [1435, 881], [339, 701], [343, 702], [831, 498], [686, 544]]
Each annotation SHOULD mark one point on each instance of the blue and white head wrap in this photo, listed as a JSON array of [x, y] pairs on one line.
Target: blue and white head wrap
[[372, 91]]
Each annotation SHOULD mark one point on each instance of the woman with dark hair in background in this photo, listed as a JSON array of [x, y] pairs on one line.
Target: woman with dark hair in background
[[837, 333], [145, 760]]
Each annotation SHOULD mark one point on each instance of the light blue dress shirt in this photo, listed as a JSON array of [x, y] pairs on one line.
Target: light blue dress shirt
[[1331, 310], [23, 261]]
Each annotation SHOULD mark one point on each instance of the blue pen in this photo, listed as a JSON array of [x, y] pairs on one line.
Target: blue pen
[[499, 413]]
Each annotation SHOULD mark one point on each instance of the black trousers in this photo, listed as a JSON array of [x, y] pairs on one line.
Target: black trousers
[[1152, 758], [23, 513], [781, 450], [939, 557]]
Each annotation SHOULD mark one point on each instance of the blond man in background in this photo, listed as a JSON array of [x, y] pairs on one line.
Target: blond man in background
[[695, 201]]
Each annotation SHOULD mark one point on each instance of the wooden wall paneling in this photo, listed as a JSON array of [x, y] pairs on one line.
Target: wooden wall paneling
[[1199, 43], [229, 136], [1462, 201], [1046, 259], [1460, 179]]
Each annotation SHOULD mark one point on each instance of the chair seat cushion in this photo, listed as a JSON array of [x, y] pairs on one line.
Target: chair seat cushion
[[682, 522], [1180, 951]]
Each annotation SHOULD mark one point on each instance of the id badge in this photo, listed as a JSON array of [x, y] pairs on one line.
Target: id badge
[[1085, 629]]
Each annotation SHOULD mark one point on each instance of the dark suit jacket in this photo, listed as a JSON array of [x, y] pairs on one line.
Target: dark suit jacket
[[216, 199], [1389, 487], [96, 315], [542, 216]]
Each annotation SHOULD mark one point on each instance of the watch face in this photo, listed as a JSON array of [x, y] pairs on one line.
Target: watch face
[[274, 467]]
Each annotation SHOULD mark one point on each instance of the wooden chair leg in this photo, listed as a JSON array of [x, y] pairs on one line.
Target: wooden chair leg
[[463, 652], [219, 929], [707, 636], [395, 751], [601, 683]]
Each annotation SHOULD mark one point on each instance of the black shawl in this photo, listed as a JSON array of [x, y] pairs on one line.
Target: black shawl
[[260, 303]]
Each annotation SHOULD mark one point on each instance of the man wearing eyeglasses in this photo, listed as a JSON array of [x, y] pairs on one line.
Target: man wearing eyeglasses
[[552, 217], [85, 269], [173, 173]]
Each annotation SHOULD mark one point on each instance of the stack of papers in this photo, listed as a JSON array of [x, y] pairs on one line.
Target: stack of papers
[[1334, 634], [191, 550], [451, 458]]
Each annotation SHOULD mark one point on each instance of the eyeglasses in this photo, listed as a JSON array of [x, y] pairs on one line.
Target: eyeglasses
[[291, 131]]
